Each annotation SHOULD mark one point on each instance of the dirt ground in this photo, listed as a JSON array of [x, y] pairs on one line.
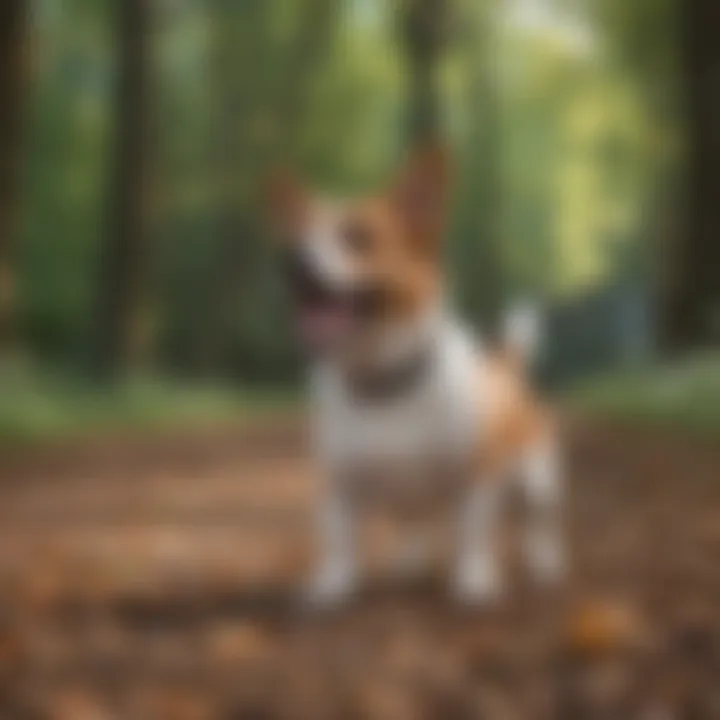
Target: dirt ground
[[147, 579]]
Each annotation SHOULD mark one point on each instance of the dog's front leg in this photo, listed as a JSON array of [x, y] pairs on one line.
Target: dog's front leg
[[336, 574], [476, 576]]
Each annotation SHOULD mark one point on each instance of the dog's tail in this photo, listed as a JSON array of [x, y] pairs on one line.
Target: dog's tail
[[522, 333]]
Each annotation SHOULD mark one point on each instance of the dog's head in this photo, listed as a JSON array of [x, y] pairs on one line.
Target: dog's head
[[359, 266]]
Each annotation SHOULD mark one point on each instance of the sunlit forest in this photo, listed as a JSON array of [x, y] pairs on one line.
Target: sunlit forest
[[155, 478], [138, 137]]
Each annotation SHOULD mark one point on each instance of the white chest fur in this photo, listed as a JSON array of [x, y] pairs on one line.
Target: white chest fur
[[435, 422]]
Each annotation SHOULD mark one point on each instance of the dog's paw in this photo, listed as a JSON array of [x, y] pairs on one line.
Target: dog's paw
[[329, 587], [476, 583]]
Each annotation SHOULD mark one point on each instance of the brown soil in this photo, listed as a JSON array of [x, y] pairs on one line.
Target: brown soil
[[157, 579]]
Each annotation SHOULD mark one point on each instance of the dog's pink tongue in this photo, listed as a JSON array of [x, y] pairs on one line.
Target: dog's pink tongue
[[322, 328]]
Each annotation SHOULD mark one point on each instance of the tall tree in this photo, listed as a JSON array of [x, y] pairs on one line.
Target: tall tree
[[13, 54], [428, 27], [124, 256], [480, 266], [692, 312], [260, 121], [425, 33]]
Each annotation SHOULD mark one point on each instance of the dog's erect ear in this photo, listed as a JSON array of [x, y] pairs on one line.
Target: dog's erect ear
[[287, 202], [420, 194]]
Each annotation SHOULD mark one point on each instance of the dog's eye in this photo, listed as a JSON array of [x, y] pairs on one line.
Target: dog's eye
[[356, 236]]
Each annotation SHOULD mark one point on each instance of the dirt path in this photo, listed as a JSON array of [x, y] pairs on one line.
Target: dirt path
[[157, 580]]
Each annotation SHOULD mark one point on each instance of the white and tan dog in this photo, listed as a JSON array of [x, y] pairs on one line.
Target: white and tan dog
[[407, 405]]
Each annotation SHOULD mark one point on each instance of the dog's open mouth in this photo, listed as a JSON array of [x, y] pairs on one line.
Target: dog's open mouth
[[324, 316], [327, 316], [323, 321]]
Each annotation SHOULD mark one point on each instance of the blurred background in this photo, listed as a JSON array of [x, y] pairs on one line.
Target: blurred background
[[135, 138], [149, 389]]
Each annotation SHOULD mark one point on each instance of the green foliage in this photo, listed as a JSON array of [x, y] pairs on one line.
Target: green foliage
[[40, 407], [684, 395], [65, 180], [559, 143]]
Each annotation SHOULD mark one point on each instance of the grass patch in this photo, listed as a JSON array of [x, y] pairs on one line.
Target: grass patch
[[45, 407], [683, 395]]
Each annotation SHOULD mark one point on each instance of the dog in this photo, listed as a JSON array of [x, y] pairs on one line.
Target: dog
[[406, 404]]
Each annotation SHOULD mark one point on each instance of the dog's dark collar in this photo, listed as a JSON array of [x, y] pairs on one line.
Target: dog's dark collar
[[395, 381]]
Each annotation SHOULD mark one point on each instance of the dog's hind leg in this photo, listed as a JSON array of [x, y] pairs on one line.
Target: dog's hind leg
[[541, 481]]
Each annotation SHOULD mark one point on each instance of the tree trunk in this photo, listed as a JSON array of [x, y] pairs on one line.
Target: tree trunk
[[122, 319], [13, 53], [692, 310], [283, 102], [425, 33], [484, 274]]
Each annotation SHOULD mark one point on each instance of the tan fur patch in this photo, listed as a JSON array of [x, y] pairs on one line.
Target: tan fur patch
[[515, 417], [400, 230]]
